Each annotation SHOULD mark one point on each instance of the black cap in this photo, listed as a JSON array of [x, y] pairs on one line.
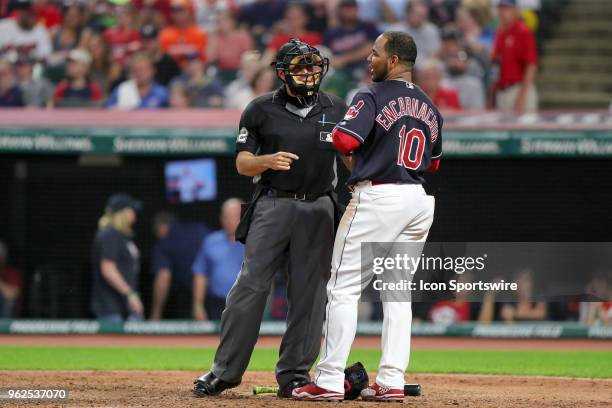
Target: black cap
[[119, 201], [348, 3]]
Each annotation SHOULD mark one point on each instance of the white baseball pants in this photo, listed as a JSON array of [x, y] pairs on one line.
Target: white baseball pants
[[379, 213]]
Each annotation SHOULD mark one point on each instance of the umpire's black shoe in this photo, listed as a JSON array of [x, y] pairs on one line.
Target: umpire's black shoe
[[285, 392], [209, 384]]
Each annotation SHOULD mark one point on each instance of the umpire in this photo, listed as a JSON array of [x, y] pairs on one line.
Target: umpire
[[285, 143]]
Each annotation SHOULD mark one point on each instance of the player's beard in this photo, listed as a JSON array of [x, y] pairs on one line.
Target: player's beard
[[382, 76]]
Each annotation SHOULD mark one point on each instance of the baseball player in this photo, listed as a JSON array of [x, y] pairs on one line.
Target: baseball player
[[394, 132]]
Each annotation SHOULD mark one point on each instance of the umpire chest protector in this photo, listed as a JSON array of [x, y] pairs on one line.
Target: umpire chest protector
[[271, 123]]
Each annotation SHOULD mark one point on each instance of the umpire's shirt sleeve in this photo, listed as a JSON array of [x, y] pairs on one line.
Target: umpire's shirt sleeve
[[249, 138]]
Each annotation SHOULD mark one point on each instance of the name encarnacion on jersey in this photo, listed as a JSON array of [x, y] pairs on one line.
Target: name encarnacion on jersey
[[407, 106]]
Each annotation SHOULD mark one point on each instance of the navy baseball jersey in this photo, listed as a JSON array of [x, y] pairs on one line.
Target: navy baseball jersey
[[400, 130]]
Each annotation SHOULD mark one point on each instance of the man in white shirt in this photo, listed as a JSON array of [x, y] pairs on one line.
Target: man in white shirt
[[23, 35]]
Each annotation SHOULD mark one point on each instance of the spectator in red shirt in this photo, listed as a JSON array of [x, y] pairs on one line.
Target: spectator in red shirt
[[77, 89], [10, 285], [516, 53], [124, 38], [293, 25], [429, 78]]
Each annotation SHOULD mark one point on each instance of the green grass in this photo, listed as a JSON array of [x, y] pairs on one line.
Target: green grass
[[596, 364]]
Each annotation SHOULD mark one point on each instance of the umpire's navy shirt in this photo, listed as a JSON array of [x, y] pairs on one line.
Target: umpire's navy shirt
[[111, 244], [268, 126]]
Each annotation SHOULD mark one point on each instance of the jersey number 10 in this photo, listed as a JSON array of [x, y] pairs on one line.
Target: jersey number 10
[[411, 147]]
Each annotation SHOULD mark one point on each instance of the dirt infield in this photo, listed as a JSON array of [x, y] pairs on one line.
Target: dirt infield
[[455, 343], [173, 389]]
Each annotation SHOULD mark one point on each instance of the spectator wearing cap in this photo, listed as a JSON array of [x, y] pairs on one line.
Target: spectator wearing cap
[[203, 90], [10, 285], [23, 34], [471, 89], [351, 41], [174, 252], [165, 66], [293, 25], [183, 37], [227, 45], [140, 91], [124, 37], [10, 92], [426, 35], [429, 78], [77, 89], [116, 262], [515, 52], [36, 91]]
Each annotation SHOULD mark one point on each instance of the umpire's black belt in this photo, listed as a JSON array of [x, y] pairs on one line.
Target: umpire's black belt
[[272, 192]]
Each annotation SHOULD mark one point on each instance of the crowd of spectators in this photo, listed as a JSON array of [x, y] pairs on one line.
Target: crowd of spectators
[[129, 54]]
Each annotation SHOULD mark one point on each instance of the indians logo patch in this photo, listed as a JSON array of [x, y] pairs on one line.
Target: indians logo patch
[[353, 111]]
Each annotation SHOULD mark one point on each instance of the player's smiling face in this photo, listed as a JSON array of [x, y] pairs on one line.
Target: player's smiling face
[[378, 60]]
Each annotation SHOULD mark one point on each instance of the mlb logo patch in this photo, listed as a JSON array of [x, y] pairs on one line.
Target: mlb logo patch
[[325, 137], [242, 136]]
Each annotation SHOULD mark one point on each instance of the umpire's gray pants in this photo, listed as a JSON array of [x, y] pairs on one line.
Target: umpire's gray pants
[[284, 232]]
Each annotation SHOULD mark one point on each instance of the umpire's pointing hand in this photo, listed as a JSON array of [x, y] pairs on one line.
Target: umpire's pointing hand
[[281, 161]]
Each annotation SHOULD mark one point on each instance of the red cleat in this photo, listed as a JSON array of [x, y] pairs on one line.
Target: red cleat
[[311, 392], [377, 392]]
